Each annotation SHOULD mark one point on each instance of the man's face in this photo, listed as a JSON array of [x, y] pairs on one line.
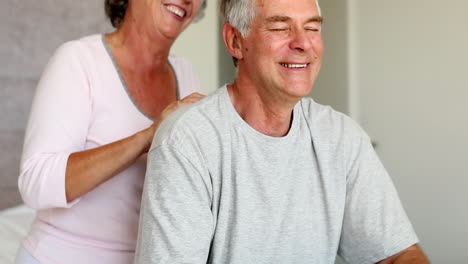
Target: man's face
[[282, 52]]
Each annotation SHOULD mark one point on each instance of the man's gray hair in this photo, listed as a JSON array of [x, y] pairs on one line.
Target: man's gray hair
[[240, 13]]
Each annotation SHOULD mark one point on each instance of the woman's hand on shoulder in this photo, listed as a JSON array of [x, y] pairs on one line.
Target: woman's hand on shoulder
[[188, 100]]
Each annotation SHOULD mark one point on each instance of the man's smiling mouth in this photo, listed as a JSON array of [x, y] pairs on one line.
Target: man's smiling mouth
[[294, 65]]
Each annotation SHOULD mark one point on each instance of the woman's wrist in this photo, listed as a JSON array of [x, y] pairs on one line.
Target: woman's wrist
[[145, 137]]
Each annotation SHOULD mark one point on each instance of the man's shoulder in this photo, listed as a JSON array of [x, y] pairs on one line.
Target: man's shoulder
[[321, 114], [192, 123], [325, 119]]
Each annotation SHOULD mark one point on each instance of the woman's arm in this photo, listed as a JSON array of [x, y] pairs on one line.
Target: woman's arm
[[88, 169]]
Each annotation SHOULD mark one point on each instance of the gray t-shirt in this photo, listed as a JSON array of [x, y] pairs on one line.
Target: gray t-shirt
[[218, 191]]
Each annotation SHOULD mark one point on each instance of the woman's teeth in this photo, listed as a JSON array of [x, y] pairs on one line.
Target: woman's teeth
[[287, 65], [176, 11]]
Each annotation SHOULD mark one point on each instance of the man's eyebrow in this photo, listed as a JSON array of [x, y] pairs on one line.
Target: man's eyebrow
[[273, 19], [314, 19], [318, 19]]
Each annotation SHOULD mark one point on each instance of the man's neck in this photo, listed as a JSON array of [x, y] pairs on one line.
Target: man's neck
[[263, 112]]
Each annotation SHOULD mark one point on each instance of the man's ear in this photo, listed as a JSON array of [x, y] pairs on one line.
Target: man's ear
[[232, 41]]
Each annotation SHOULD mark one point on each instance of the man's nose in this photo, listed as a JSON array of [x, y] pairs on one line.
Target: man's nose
[[300, 41]]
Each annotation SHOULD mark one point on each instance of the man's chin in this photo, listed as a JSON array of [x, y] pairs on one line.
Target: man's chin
[[300, 91]]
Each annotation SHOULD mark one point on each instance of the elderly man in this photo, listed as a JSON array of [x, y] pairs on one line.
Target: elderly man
[[256, 173]]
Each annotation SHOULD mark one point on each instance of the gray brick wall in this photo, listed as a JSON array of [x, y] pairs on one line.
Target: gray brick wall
[[30, 31]]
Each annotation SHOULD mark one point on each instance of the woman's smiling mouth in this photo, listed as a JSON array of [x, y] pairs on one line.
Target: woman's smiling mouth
[[178, 11]]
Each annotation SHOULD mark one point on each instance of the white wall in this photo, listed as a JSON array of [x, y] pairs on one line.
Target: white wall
[[413, 78], [199, 45], [407, 84], [331, 87]]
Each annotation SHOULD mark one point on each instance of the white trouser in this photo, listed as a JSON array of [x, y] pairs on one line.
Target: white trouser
[[24, 257]]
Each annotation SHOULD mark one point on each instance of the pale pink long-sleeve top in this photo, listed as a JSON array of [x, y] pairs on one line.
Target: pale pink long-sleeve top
[[82, 103]]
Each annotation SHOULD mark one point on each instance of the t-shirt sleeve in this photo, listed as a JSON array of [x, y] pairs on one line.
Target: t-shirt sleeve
[[375, 225], [176, 223], [57, 126]]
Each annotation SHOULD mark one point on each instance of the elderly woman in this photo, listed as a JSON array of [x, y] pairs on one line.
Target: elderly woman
[[96, 108]]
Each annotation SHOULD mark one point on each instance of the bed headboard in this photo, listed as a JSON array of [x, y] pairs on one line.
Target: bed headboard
[[11, 142], [25, 50], [9, 197]]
